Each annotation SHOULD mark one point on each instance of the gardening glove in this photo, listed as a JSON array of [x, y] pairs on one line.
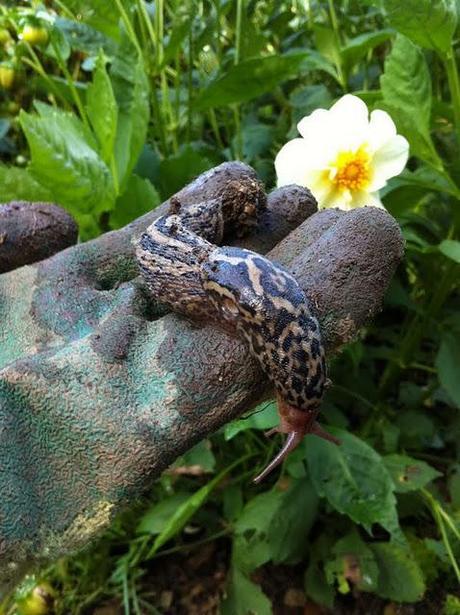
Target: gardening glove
[[101, 388]]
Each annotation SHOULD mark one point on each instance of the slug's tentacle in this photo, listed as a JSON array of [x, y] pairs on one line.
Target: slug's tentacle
[[293, 440], [246, 294]]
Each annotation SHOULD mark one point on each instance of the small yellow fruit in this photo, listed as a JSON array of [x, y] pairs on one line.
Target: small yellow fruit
[[35, 35], [5, 36], [38, 602], [6, 76]]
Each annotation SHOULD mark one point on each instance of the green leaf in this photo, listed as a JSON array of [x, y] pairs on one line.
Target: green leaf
[[315, 582], [180, 30], [409, 474], [186, 510], [451, 605], [58, 46], [64, 161], [233, 502], [353, 566], [426, 178], [429, 23], [317, 587], [102, 109], [274, 525], [155, 520], [289, 529], [354, 479], [244, 597], [178, 170], [358, 47], [447, 363], [400, 577], [200, 457], [406, 91], [257, 139], [258, 513], [251, 78], [82, 37], [451, 249], [264, 416], [327, 43], [19, 185], [100, 14], [138, 198], [131, 89]]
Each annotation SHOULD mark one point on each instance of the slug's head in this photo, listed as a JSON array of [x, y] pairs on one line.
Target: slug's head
[[227, 282]]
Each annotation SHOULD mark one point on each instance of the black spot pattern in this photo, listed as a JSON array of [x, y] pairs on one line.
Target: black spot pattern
[[258, 298]]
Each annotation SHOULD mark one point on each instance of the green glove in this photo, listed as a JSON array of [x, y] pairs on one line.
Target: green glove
[[100, 389]]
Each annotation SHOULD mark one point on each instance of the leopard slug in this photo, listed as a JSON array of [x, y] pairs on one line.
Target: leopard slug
[[248, 295]]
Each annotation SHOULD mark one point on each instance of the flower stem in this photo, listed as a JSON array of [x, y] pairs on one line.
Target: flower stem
[[440, 516], [450, 65], [236, 108]]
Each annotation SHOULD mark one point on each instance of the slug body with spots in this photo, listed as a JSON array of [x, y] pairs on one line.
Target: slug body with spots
[[248, 295]]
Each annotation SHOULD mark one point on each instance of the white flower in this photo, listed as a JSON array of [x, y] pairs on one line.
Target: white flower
[[344, 157]]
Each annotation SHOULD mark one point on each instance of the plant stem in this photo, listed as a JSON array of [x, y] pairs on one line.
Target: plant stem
[[334, 20], [238, 30], [71, 84], [236, 108], [439, 513], [128, 26], [450, 66]]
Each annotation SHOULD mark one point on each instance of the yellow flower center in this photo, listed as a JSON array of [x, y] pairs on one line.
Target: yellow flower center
[[351, 170]]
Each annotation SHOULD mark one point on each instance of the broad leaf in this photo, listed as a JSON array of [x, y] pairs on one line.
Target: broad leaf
[[254, 77], [178, 170], [400, 577], [289, 529], [263, 416], [244, 597], [409, 474], [198, 460], [100, 14], [275, 525], [354, 565], [82, 37], [406, 91], [429, 23], [131, 89], [102, 109], [451, 249], [19, 185], [138, 198], [155, 520], [426, 178], [357, 48], [186, 510], [354, 479], [65, 163], [315, 582], [447, 362]]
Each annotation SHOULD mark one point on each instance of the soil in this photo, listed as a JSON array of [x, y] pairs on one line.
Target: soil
[[194, 584]]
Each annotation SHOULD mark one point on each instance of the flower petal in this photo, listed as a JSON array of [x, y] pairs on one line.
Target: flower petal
[[343, 127], [389, 161], [381, 129], [291, 163], [365, 199]]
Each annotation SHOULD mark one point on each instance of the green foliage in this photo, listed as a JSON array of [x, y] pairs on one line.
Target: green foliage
[[254, 77], [429, 23], [125, 104], [354, 480], [406, 91], [400, 577], [409, 474]]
